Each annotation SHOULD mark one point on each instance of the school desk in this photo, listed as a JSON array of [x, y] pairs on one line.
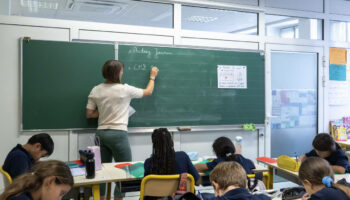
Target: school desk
[[289, 175], [109, 174], [344, 144]]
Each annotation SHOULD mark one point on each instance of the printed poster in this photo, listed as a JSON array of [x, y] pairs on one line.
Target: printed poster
[[232, 76]]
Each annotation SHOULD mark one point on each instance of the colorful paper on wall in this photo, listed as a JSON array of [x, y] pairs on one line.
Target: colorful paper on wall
[[337, 72], [337, 56]]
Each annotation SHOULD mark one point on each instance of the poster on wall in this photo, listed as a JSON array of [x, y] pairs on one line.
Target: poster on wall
[[293, 108]]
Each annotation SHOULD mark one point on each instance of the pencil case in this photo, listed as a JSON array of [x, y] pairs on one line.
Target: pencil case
[[288, 163]]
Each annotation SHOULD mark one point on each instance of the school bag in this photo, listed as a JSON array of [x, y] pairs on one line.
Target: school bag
[[256, 184]]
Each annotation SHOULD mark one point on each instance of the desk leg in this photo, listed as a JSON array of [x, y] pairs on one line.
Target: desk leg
[[96, 191], [109, 189], [270, 180]]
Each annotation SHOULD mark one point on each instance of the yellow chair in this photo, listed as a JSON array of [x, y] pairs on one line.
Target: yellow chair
[[266, 178], [163, 185], [6, 177]]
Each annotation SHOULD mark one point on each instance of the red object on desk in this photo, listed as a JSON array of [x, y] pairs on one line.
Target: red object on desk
[[266, 159], [122, 165]]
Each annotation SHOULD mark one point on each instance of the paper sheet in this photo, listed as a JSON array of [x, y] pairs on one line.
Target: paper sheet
[[131, 111], [232, 76], [77, 171], [338, 93], [337, 56]]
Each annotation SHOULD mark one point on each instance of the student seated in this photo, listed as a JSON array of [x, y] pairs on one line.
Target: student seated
[[164, 160], [317, 177], [230, 182], [22, 157], [325, 147], [46, 180], [225, 151]]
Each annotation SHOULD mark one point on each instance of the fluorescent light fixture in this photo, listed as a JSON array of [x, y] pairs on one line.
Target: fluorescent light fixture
[[34, 5], [201, 19]]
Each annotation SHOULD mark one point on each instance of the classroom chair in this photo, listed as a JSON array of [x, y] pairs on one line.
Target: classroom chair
[[5, 177], [163, 185]]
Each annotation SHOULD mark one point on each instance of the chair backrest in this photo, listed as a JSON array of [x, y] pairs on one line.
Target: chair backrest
[[163, 185], [6, 177]]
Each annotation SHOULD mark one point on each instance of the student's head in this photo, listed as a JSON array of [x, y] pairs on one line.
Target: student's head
[[227, 174], [311, 172], [163, 155], [112, 71], [40, 145], [224, 148], [324, 145], [47, 180]]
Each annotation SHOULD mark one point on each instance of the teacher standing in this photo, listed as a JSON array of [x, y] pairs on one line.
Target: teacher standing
[[110, 102]]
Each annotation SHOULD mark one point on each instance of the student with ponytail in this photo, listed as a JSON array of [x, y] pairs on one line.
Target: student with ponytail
[[318, 179], [164, 160], [47, 180], [225, 151]]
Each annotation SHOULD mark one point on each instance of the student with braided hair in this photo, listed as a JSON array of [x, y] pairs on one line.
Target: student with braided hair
[[164, 160], [47, 180], [317, 177], [225, 151]]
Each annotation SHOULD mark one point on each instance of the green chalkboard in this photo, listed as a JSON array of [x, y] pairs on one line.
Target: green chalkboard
[[186, 91], [57, 77]]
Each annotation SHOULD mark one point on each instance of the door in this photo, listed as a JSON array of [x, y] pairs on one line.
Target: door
[[293, 90]]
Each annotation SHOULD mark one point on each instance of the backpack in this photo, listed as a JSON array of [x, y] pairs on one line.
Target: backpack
[[256, 184]]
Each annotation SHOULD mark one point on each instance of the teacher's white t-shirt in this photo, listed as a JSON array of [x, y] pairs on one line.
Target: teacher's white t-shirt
[[113, 101]]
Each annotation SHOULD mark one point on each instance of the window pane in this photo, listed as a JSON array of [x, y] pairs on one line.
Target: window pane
[[215, 20], [116, 12], [340, 31], [293, 27]]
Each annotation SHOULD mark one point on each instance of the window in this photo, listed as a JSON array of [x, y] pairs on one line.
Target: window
[[216, 20], [293, 27], [116, 12], [340, 31]]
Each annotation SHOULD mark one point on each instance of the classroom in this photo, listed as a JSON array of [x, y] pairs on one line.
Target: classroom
[[293, 56]]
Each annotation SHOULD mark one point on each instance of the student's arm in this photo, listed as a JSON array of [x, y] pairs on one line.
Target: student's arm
[[192, 170], [302, 158], [338, 169], [91, 113], [201, 167], [150, 86]]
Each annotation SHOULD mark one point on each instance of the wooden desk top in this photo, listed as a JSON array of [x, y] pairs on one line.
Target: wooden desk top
[[344, 143], [109, 173], [337, 177]]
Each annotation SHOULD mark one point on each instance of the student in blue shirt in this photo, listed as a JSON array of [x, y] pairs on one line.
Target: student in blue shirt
[[230, 181], [164, 160], [21, 158], [317, 177], [326, 148], [47, 180], [225, 151]]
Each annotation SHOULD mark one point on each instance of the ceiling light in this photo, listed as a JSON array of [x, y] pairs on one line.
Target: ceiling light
[[202, 19]]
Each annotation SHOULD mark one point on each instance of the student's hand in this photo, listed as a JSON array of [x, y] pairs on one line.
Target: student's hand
[[306, 196], [302, 158], [154, 72]]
